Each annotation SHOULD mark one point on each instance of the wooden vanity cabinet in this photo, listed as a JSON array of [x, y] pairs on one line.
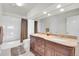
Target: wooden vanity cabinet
[[49, 49], [32, 42], [39, 45], [61, 50], [55, 49], [43, 47]]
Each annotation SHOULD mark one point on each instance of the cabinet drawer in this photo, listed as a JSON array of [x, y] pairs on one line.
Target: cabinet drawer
[[39, 50]]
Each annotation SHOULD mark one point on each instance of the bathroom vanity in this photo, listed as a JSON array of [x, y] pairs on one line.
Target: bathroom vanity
[[52, 45]]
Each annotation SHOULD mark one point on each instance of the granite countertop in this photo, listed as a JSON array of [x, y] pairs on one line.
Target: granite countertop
[[64, 41]]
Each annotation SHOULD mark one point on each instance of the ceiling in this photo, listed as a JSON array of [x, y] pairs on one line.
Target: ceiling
[[35, 10]]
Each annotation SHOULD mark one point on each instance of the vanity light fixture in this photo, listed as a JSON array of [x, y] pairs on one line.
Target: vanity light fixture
[[61, 9], [19, 4], [44, 12], [58, 6]]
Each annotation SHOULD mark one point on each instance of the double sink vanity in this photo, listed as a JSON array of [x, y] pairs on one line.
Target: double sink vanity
[[42, 44]]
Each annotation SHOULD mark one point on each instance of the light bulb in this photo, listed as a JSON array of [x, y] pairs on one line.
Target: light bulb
[[44, 12], [58, 6], [61, 9], [49, 14], [19, 4]]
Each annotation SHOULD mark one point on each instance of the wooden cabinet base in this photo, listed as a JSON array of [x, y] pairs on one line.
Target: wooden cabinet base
[[35, 53], [42, 47]]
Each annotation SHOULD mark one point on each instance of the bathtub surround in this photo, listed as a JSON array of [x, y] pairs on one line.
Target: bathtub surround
[[23, 52], [12, 27], [6, 48]]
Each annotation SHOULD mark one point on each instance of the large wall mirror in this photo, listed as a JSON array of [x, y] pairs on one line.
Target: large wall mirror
[[63, 23]]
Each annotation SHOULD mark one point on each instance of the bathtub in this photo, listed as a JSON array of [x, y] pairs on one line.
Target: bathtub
[[5, 47], [10, 44]]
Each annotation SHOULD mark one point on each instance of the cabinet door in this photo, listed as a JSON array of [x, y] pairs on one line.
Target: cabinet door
[[49, 50], [39, 46], [32, 42], [39, 50], [53, 52], [36, 45], [64, 51], [36, 48], [59, 53], [42, 43]]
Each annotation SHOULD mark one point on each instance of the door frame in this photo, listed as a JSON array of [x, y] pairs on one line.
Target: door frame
[[23, 19], [35, 26]]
